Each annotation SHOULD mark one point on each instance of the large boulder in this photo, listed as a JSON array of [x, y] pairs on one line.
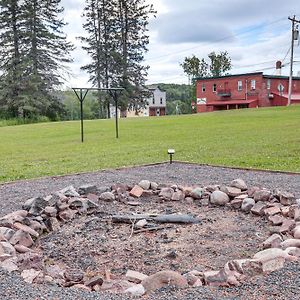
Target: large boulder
[[239, 183], [247, 204], [164, 278], [219, 198], [145, 184]]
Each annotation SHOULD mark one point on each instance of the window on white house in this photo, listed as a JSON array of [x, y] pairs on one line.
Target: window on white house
[[240, 85], [253, 84], [269, 84], [153, 100], [161, 100], [214, 87], [203, 87]]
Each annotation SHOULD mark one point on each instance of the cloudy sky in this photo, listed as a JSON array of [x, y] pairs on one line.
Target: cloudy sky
[[255, 33]]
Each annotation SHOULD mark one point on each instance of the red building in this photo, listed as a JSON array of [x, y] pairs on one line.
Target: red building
[[244, 91]]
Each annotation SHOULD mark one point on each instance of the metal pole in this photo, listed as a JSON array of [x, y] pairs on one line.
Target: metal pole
[[81, 98], [81, 114], [117, 123], [291, 63], [294, 21]]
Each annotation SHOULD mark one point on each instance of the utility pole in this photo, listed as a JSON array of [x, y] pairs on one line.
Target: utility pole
[[294, 38]]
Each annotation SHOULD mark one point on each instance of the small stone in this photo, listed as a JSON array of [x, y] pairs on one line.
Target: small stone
[[287, 226], [92, 197], [96, 280], [290, 243], [135, 276], [212, 188], [73, 275], [2, 238], [23, 238], [69, 191], [287, 199], [178, 196], [272, 253], [293, 209], [162, 279], [136, 291], [247, 204], [145, 184], [190, 200], [285, 210], [273, 264], [196, 193], [22, 249], [7, 232], [242, 197], [31, 260], [297, 214], [141, 223], [166, 193], [259, 208], [107, 196], [153, 186], [231, 191], [30, 275], [239, 183], [7, 249], [273, 241], [236, 203], [271, 211], [262, 195], [136, 191], [296, 232], [26, 228], [191, 279], [50, 211], [293, 251], [252, 191], [52, 224], [276, 220], [219, 198], [67, 215], [87, 189], [215, 278], [10, 265], [247, 267]]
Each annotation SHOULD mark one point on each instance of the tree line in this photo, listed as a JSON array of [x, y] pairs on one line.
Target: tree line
[[35, 52]]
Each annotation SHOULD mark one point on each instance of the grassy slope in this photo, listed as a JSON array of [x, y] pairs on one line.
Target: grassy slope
[[264, 138]]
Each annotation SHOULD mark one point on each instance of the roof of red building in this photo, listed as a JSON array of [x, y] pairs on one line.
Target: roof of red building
[[246, 74], [295, 96], [215, 103]]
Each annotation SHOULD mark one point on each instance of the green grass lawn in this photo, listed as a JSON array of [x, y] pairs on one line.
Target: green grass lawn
[[259, 138]]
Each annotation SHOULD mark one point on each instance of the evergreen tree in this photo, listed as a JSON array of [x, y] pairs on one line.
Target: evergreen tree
[[10, 63], [116, 42], [37, 50], [100, 45], [133, 20]]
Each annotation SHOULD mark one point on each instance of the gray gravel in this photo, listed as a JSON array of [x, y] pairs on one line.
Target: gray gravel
[[282, 284]]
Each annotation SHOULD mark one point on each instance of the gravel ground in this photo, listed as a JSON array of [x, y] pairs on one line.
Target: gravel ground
[[282, 284]]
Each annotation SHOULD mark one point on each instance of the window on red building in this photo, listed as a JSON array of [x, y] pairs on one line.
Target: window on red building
[[269, 84], [203, 87], [240, 85], [214, 87], [253, 84]]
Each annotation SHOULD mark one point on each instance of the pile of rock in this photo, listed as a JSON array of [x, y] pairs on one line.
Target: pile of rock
[[20, 229]]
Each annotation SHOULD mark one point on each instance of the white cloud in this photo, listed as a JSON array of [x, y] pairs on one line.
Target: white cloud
[[252, 32]]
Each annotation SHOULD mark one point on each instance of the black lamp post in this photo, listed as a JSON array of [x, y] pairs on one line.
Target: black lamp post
[[171, 152]]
